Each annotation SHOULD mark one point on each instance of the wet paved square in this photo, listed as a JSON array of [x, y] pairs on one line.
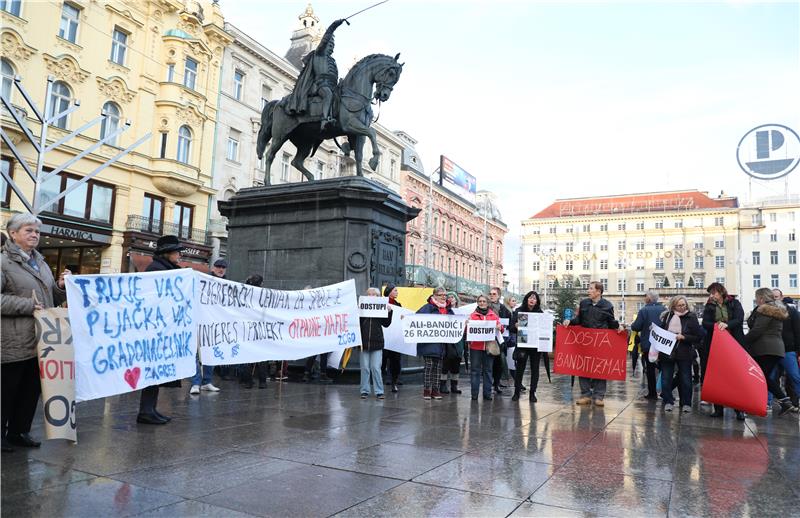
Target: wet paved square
[[309, 450]]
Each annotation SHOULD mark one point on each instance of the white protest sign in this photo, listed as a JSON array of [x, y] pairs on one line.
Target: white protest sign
[[465, 310], [504, 322], [663, 340], [535, 330], [131, 330], [238, 323], [425, 328], [393, 335], [373, 307], [481, 330], [57, 372]]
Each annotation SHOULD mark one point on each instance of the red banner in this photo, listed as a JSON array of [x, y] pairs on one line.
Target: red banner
[[591, 353], [733, 378]]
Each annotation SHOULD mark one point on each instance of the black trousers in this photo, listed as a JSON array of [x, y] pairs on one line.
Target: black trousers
[[148, 400], [702, 350], [260, 369], [497, 369], [392, 360], [767, 363], [650, 372], [524, 356], [21, 389], [451, 365]]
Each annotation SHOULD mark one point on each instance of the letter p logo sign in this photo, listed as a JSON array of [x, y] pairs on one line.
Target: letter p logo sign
[[769, 151]]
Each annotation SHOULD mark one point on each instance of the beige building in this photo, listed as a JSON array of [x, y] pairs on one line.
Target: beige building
[[156, 63], [677, 242]]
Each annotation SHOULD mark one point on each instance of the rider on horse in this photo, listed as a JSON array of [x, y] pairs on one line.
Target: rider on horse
[[318, 77]]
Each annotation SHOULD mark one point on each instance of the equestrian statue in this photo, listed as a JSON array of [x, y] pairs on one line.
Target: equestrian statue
[[322, 107]]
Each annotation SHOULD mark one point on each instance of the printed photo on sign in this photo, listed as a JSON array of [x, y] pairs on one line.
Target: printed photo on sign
[[522, 320], [504, 322], [522, 337], [373, 307]]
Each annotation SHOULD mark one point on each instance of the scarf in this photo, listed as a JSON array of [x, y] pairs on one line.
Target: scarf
[[392, 301], [442, 307], [675, 322], [483, 312], [721, 312]]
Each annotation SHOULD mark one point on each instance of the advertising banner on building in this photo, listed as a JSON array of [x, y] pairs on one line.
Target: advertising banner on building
[[456, 179]]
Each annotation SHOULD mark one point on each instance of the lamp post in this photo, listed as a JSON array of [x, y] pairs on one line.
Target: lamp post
[[429, 251], [483, 210]]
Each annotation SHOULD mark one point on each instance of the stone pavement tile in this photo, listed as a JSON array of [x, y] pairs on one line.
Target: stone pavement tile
[[414, 500], [208, 474], [95, 497], [690, 500], [663, 440], [733, 473], [727, 444], [392, 460], [449, 437], [644, 462], [605, 493], [303, 492], [497, 476], [314, 447], [32, 475], [192, 509], [701, 419], [532, 448], [774, 425], [528, 509]]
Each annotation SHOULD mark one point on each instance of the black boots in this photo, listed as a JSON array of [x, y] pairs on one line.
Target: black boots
[[786, 405], [443, 387], [454, 387]]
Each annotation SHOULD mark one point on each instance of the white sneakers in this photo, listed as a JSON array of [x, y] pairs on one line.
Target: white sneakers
[[686, 409], [668, 408], [195, 389], [208, 387]]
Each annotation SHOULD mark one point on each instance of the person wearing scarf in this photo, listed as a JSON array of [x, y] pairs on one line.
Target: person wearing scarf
[[530, 304], [679, 320], [392, 358], [480, 362], [432, 353], [451, 364]]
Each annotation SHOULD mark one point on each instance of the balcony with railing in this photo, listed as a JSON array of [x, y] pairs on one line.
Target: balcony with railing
[[159, 228]]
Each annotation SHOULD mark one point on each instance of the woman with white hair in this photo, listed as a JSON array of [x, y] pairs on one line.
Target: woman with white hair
[[684, 323], [23, 274], [372, 350]]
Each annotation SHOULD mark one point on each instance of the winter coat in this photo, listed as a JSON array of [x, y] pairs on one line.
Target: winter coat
[[791, 328], [372, 332], [490, 315], [512, 324], [19, 281], [437, 349], [766, 326], [160, 264], [595, 316], [649, 314], [735, 320], [691, 331]]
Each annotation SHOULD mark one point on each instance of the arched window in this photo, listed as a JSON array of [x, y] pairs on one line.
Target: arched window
[[111, 122], [59, 101], [7, 70], [184, 144]]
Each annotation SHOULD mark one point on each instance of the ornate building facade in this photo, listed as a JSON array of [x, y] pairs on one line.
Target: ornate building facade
[[155, 62]]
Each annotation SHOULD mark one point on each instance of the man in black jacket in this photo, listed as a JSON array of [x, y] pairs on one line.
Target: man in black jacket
[[499, 361], [791, 342], [594, 312]]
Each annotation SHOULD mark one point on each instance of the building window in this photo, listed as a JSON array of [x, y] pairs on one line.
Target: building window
[[698, 263], [640, 245], [153, 213], [162, 153], [719, 261], [622, 285], [792, 280], [604, 264], [719, 243], [604, 247], [756, 281], [679, 283], [70, 16], [7, 71], [110, 122], [621, 226], [285, 162], [184, 144], [11, 6], [535, 248], [604, 283], [755, 219], [659, 283], [535, 285], [551, 266], [773, 237], [720, 280], [536, 266], [659, 263], [182, 218], [678, 246], [568, 230], [679, 263], [773, 257], [393, 169], [586, 228], [792, 256], [773, 217], [552, 230], [604, 227], [5, 190], [119, 45], [60, 99], [698, 245], [639, 286], [621, 264], [587, 246], [719, 222], [570, 247], [659, 225], [586, 264], [756, 258], [791, 234], [320, 169], [568, 265], [190, 73], [621, 245], [679, 224], [171, 73], [232, 152], [774, 280], [551, 283], [266, 94], [91, 201], [640, 225], [238, 84], [659, 246]]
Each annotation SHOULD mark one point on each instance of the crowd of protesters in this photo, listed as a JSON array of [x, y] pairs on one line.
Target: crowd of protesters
[[772, 340]]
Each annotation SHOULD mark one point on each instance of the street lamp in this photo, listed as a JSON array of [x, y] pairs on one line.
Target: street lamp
[[483, 210]]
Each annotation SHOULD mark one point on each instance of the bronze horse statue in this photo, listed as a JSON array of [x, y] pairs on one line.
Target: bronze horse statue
[[352, 99]]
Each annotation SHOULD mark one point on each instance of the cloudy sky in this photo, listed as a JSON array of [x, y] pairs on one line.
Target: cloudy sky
[[547, 100]]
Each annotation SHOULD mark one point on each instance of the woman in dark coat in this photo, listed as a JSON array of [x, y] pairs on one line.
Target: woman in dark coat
[[679, 320], [432, 353], [764, 341], [392, 358], [167, 255], [530, 304], [722, 311]]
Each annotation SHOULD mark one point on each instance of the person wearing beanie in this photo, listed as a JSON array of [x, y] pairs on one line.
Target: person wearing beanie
[[452, 357], [392, 358]]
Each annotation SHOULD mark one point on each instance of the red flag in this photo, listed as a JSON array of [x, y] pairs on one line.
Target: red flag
[[591, 353], [734, 379]]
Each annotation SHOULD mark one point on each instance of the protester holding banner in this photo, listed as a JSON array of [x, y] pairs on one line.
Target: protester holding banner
[[647, 316], [260, 369], [167, 254], [530, 304], [432, 353], [451, 363], [499, 365], [391, 359], [594, 312], [683, 323], [764, 341], [480, 358], [722, 311], [372, 349], [203, 377], [24, 275]]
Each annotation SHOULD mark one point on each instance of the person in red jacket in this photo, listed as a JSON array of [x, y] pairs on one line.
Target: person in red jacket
[[479, 361]]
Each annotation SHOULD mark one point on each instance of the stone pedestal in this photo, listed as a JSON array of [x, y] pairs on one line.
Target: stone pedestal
[[318, 233]]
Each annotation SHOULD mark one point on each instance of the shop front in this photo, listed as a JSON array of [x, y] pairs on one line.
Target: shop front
[[73, 246], [140, 247]]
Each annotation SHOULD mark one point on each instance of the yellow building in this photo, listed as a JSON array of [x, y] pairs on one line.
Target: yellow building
[[155, 63]]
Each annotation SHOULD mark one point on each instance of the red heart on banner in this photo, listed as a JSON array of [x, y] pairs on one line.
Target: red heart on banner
[[132, 376]]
